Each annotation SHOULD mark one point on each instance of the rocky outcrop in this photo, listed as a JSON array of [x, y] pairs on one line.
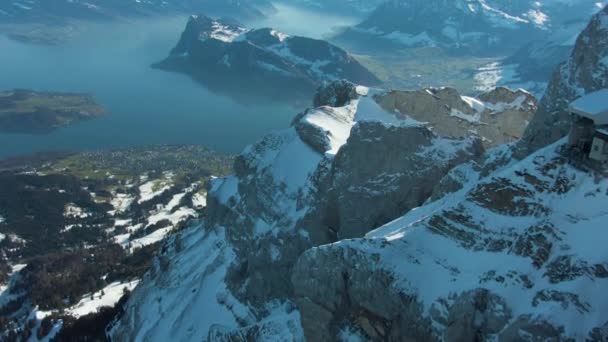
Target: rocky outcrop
[[227, 56], [498, 116], [585, 71]]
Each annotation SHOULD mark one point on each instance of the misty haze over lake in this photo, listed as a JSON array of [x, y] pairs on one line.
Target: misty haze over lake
[[146, 106]]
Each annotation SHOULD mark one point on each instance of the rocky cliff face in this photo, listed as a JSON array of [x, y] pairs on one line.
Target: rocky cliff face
[[506, 258], [586, 70], [225, 55]]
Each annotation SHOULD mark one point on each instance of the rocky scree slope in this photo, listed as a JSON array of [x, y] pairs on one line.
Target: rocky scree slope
[[343, 168], [223, 54]]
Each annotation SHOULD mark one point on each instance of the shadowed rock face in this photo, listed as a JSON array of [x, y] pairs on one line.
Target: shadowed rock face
[[585, 71]]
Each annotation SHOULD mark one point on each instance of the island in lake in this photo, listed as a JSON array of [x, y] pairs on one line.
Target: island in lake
[[31, 112]]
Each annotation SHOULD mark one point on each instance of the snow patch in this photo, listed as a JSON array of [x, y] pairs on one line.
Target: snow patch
[[106, 297]]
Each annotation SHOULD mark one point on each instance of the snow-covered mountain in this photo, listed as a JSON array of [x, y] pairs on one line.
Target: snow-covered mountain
[[351, 164], [471, 245], [536, 60], [341, 6], [473, 26], [75, 239], [224, 55], [58, 11]]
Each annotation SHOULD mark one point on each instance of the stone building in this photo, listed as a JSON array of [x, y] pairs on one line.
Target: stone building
[[588, 137]]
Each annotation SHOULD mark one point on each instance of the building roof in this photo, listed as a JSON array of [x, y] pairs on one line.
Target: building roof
[[593, 106], [602, 131]]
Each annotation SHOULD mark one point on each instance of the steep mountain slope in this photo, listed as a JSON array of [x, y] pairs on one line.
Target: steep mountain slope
[[536, 61], [586, 70], [226, 56], [78, 231], [343, 168]]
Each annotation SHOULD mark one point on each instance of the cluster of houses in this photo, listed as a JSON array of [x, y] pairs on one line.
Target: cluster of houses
[[588, 139]]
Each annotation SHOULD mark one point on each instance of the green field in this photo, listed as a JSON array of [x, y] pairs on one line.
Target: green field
[[25, 102]]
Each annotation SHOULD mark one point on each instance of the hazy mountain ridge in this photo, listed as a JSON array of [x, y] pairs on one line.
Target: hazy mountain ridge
[[222, 54], [61, 10], [472, 26]]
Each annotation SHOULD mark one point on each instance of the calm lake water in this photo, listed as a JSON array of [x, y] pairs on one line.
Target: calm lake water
[[146, 106]]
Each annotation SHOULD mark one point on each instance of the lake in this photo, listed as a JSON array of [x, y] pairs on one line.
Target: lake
[[146, 106]]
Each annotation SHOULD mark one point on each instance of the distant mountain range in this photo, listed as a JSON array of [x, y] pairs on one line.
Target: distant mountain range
[[58, 11], [340, 6], [228, 57], [477, 26]]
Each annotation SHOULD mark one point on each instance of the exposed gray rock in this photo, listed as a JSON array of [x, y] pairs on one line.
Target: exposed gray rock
[[382, 173], [335, 94], [531, 329], [334, 287]]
